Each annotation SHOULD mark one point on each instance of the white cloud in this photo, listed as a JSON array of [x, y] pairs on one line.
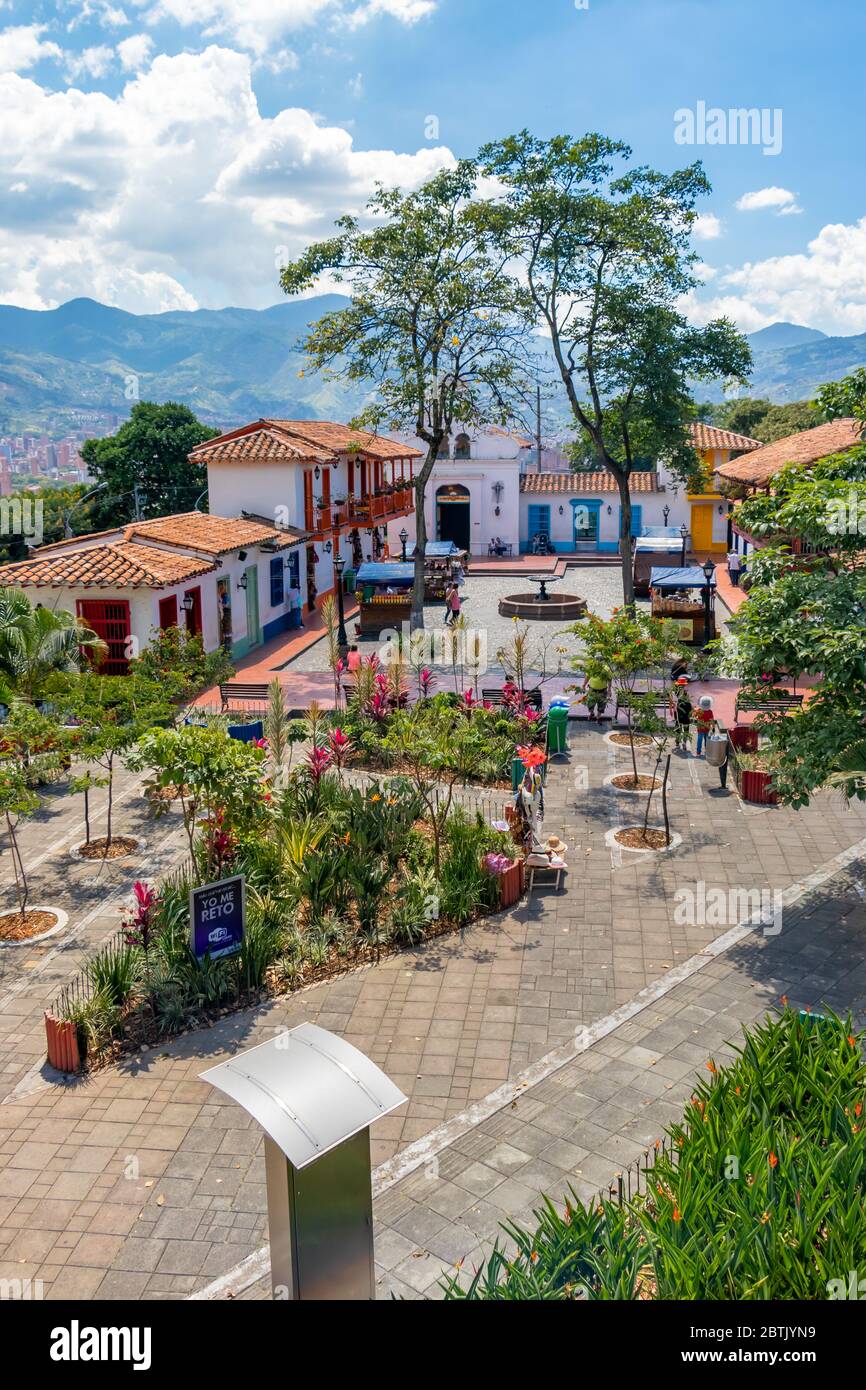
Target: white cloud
[[781, 200], [823, 286], [22, 46], [257, 25], [102, 11], [134, 52], [407, 11], [356, 86], [177, 191], [706, 227], [90, 62]]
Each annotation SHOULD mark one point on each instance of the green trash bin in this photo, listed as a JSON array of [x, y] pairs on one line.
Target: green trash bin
[[349, 577], [557, 730]]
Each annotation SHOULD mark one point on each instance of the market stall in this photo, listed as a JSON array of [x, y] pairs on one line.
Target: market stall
[[443, 562], [384, 593], [686, 595]]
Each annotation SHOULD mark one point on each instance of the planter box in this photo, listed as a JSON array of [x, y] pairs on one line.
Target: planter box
[[511, 884], [755, 787], [744, 737], [61, 1036]]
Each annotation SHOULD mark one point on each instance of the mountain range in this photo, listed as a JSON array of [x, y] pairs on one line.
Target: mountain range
[[234, 365]]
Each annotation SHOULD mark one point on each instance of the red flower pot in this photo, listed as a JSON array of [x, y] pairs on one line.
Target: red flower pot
[[755, 787], [744, 737], [61, 1036], [511, 884]]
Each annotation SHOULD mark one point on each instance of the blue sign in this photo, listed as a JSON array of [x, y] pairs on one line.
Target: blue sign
[[216, 918]]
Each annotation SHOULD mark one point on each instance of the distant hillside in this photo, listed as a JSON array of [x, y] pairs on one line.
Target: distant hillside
[[791, 362], [234, 365], [228, 365]]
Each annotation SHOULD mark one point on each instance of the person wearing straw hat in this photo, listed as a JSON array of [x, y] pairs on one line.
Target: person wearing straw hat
[[705, 722]]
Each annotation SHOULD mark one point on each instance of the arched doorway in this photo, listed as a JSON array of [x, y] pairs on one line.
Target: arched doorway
[[452, 515]]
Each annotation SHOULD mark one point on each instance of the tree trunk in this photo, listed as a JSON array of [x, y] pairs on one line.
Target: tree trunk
[[87, 815], [625, 540], [416, 621], [110, 799], [665, 800]]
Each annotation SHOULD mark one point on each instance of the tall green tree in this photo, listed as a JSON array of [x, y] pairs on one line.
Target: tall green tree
[[838, 399], [762, 419], [435, 322], [144, 467], [606, 260]]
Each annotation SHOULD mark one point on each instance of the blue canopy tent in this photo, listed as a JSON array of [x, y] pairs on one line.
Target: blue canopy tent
[[440, 550], [693, 613], [679, 577], [384, 573]]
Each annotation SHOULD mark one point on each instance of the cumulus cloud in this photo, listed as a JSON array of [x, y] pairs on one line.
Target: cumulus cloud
[[22, 46], [779, 200], [257, 25], [823, 286], [134, 52], [707, 227], [175, 192], [90, 62]]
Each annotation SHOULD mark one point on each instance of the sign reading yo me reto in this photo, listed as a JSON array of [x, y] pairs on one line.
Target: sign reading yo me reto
[[216, 918]]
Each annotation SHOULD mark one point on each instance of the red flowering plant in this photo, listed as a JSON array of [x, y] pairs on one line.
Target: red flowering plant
[[318, 762], [340, 747]]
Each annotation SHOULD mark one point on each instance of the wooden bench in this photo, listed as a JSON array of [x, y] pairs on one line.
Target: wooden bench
[[497, 699], [756, 704], [242, 690], [625, 699]]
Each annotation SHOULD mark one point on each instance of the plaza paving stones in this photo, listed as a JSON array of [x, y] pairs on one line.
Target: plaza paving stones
[[142, 1181]]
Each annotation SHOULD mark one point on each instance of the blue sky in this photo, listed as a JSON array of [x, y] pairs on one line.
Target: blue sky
[[165, 153]]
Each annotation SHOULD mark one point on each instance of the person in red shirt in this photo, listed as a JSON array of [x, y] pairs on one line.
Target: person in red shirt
[[705, 721]]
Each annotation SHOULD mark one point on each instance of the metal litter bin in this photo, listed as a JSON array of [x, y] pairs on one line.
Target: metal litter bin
[[314, 1096]]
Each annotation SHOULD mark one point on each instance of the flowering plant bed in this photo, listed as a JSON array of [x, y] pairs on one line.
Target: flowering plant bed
[[784, 1121]]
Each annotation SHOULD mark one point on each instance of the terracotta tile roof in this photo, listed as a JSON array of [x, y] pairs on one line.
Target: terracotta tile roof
[[709, 437], [215, 535], [123, 565], [568, 482], [806, 447], [317, 441]]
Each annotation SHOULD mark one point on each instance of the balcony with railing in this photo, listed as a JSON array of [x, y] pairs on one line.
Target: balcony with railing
[[371, 509]]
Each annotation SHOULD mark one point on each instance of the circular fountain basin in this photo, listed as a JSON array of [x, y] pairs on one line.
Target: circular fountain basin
[[553, 609]]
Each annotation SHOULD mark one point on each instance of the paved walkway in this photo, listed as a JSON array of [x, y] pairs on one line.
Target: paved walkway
[[141, 1181]]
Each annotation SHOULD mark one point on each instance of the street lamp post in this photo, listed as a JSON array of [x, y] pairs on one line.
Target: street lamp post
[[684, 532], [709, 570], [342, 639], [404, 536]]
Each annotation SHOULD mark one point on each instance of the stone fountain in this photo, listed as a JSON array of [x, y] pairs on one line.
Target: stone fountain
[[552, 607]]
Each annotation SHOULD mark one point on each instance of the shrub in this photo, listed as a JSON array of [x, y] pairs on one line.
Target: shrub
[[180, 664], [764, 1199], [115, 972]]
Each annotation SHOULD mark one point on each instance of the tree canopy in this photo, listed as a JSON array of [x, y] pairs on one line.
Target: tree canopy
[[606, 259], [435, 321], [147, 459]]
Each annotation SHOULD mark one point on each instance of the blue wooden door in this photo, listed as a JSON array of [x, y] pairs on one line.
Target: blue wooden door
[[636, 512]]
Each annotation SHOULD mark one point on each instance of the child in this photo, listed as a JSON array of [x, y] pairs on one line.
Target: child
[[596, 683], [705, 722], [682, 710]]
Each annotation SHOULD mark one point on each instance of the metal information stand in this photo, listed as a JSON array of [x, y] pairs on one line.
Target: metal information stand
[[314, 1096]]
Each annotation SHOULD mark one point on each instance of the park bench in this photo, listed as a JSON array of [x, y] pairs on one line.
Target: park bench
[[625, 699], [497, 699], [758, 704], [243, 690]]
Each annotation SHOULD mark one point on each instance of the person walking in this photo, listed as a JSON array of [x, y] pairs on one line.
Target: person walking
[[596, 683], [682, 709], [734, 566], [705, 722]]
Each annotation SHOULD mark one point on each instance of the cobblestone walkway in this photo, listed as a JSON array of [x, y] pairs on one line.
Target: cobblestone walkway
[[143, 1182]]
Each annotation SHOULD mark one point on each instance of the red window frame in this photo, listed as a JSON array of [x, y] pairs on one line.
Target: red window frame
[[109, 619]]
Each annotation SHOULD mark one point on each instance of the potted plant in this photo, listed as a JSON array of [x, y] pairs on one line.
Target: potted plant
[[756, 776]]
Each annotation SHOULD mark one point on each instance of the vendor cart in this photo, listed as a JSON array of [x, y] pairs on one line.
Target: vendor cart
[[443, 562], [384, 593], [686, 596]]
